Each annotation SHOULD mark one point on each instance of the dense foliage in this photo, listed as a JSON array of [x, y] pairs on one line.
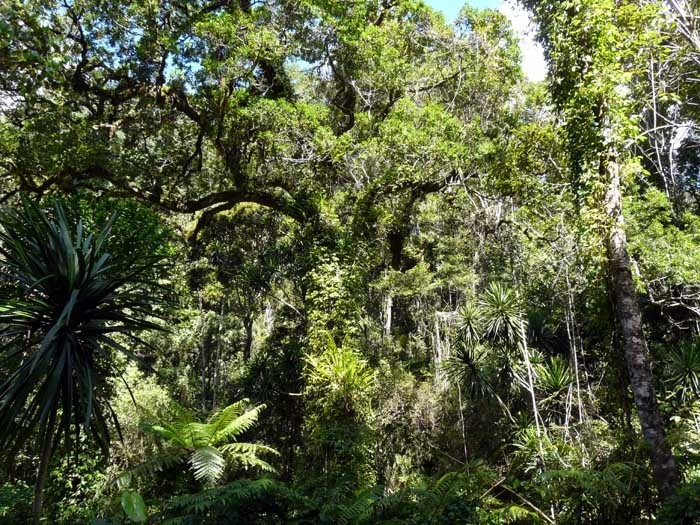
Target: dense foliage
[[322, 261]]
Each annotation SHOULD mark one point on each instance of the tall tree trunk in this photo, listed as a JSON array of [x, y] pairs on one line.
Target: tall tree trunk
[[202, 348], [629, 319], [248, 345]]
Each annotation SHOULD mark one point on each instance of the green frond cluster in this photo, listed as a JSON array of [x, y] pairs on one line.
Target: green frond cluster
[[450, 498], [339, 376], [208, 448], [468, 366], [501, 313], [554, 375], [597, 493], [487, 332]]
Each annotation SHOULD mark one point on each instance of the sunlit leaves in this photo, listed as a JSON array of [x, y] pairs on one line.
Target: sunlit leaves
[[340, 378], [134, 506], [210, 446], [207, 464], [502, 314]]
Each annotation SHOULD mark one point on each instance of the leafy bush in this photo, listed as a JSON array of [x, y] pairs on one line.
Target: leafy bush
[[15, 503], [683, 508]]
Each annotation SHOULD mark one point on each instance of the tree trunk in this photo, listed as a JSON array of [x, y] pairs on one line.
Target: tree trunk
[[629, 319], [39, 486], [388, 304], [248, 345], [43, 470], [217, 358], [202, 348]]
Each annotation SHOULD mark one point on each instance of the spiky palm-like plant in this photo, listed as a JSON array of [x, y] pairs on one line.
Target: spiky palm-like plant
[[683, 369], [340, 378], [555, 375], [207, 447], [469, 366], [470, 329], [65, 300], [502, 314]]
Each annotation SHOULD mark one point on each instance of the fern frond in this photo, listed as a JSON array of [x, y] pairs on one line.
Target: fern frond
[[445, 486], [238, 426], [248, 448], [165, 432], [222, 419], [246, 455], [210, 444], [177, 423], [514, 514], [199, 434], [362, 508], [208, 464], [255, 462]]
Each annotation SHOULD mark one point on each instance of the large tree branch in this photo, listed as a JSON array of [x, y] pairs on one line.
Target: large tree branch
[[271, 197]]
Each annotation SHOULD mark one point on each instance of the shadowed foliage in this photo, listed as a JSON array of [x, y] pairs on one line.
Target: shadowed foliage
[[67, 305]]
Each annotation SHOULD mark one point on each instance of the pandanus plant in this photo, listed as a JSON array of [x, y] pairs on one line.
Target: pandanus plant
[[66, 306]]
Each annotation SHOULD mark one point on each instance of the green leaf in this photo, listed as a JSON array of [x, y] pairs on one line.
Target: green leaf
[[134, 506]]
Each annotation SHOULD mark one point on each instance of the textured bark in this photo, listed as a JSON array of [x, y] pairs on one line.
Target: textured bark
[[629, 320]]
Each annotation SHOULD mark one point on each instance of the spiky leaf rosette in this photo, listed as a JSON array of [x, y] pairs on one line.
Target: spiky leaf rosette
[[65, 306], [683, 369]]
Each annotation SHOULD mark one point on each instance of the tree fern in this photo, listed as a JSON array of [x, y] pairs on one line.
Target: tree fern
[[208, 447], [237, 423], [220, 420]]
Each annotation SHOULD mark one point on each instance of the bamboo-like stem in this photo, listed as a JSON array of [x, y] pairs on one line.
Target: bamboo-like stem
[[539, 423], [571, 332], [461, 420]]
